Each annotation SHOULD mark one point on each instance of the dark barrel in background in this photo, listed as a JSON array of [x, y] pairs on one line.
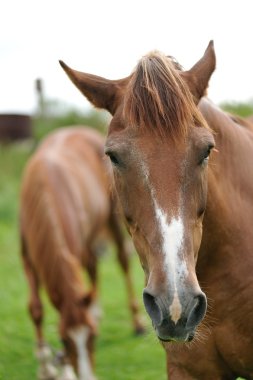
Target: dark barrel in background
[[15, 127]]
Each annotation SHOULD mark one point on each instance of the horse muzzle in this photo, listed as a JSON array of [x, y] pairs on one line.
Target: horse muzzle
[[175, 320]]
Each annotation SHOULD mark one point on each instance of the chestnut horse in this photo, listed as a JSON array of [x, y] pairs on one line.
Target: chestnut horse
[[183, 175], [66, 203]]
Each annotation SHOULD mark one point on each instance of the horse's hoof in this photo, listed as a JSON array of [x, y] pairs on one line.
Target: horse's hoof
[[59, 358], [50, 373], [44, 353]]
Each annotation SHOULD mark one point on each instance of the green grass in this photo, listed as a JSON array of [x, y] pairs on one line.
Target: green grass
[[119, 354]]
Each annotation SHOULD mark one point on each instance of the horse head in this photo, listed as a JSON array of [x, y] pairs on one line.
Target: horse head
[[159, 145]]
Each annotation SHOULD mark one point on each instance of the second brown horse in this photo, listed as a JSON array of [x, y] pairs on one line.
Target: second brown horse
[[66, 204]]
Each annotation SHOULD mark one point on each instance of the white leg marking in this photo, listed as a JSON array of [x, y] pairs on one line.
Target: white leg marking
[[80, 337], [46, 370]]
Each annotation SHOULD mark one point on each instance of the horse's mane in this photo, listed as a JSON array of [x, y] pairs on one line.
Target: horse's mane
[[158, 98], [241, 121]]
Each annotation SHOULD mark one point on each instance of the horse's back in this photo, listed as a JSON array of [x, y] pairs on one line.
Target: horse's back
[[244, 122], [215, 115], [74, 137], [66, 184]]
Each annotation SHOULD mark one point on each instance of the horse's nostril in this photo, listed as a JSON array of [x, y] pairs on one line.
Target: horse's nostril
[[197, 311], [152, 307]]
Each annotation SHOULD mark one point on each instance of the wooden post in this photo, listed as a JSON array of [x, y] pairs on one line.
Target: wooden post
[[40, 96]]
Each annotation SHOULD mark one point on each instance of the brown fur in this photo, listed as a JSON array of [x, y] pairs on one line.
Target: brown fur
[[245, 122], [161, 184]]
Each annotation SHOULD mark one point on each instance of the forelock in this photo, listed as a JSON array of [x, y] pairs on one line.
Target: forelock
[[158, 98]]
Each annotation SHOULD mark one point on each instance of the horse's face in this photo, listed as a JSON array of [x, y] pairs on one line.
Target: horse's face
[[79, 347], [79, 339], [162, 188], [161, 182]]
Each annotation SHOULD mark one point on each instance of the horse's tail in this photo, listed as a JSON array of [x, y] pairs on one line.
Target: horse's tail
[[43, 236]]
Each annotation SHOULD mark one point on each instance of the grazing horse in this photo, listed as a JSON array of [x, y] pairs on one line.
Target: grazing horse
[[183, 175], [66, 204]]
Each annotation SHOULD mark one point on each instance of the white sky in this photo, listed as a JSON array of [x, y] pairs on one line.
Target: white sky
[[107, 37]]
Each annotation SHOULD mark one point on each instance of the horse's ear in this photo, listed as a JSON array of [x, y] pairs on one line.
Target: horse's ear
[[101, 92], [199, 75]]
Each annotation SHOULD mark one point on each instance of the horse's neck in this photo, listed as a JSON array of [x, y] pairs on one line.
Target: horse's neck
[[230, 185], [231, 162]]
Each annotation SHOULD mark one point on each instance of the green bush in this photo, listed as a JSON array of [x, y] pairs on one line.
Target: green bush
[[243, 109], [56, 115]]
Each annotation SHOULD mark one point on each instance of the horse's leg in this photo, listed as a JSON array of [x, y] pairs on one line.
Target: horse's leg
[[123, 255], [91, 268], [90, 262], [46, 369]]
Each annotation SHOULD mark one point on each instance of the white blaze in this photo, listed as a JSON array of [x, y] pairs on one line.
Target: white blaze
[[172, 239], [172, 236], [80, 338]]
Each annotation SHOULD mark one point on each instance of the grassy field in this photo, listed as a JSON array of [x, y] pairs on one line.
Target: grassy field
[[119, 354]]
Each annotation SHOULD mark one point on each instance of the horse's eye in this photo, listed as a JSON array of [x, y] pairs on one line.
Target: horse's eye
[[207, 154], [205, 158], [113, 157]]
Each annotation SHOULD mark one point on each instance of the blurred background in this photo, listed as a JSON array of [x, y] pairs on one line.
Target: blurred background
[[105, 38]]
